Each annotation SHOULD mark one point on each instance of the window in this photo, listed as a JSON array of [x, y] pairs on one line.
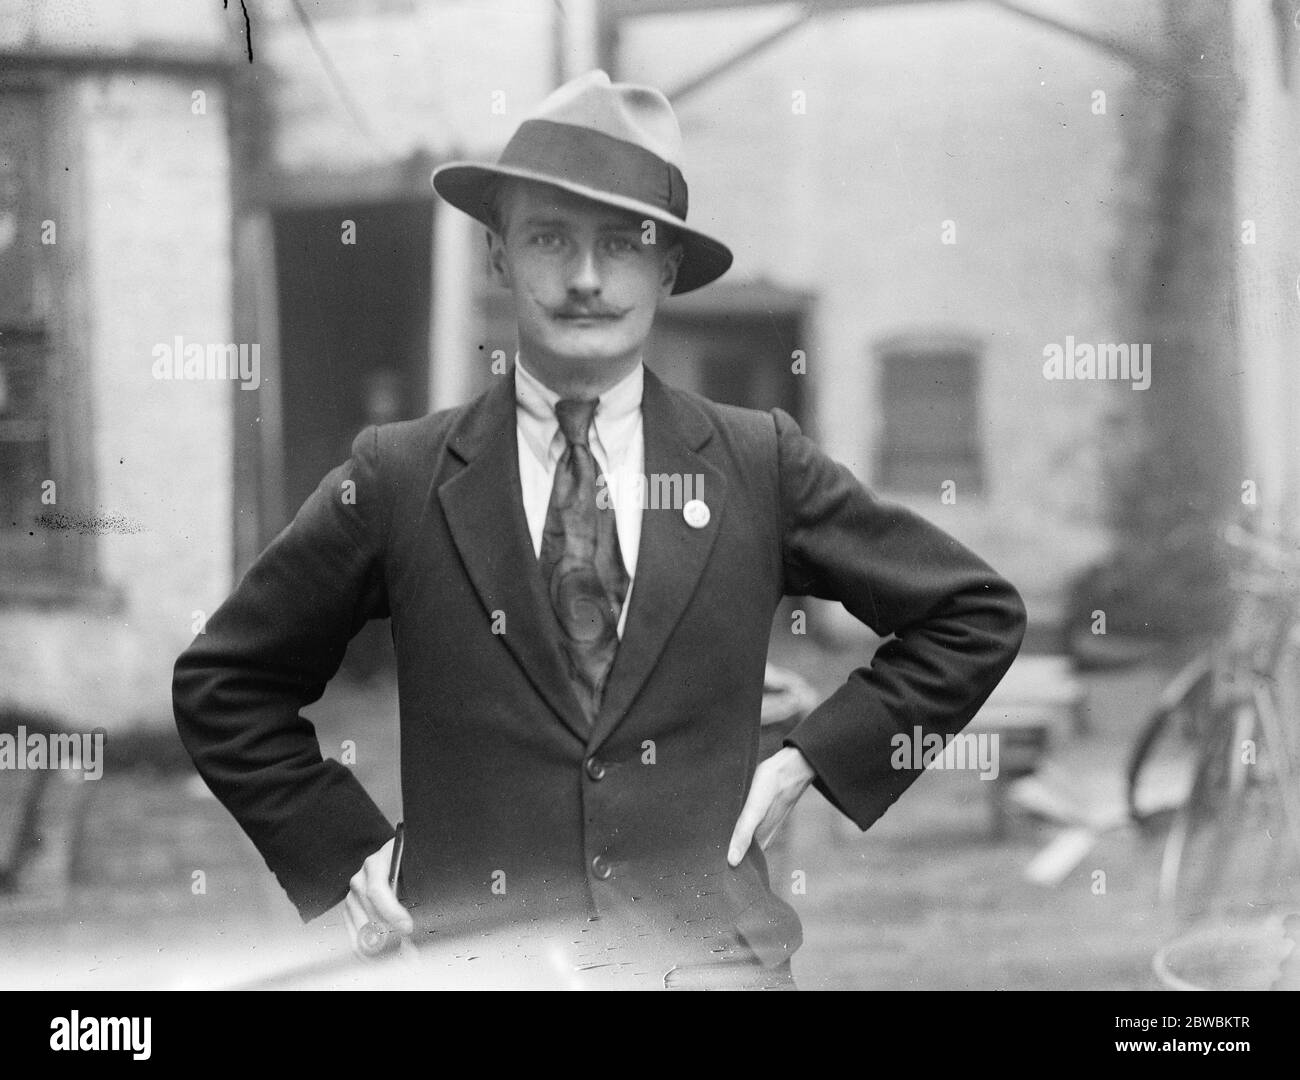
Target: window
[[929, 392], [33, 448]]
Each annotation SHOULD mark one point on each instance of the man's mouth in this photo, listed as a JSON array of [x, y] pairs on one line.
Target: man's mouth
[[571, 315]]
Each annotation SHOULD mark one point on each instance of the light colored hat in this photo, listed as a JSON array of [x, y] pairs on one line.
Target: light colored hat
[[615, 143]]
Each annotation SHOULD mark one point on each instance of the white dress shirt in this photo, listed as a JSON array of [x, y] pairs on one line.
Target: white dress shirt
[[617, 443]]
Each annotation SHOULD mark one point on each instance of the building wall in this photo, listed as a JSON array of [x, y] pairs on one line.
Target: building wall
[[911, 118], [144, 255], [1268, 277], [914, 117], [435, 78], [116, 25]]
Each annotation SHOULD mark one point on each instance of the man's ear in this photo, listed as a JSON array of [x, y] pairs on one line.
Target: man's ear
[[672, 263], [497, 264]]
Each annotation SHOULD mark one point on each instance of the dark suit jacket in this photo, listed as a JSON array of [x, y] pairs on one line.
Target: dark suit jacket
[[516, 810]]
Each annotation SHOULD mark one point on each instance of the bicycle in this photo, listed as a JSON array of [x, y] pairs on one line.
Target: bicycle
[[1232, 715]]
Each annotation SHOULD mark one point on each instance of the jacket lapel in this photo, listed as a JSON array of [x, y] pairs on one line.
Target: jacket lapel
[[483, 504], [672, 554]]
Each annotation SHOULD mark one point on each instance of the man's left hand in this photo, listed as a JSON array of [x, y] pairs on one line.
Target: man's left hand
[[778, 783]]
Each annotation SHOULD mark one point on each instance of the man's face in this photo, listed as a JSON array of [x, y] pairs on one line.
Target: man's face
[[586, 284]]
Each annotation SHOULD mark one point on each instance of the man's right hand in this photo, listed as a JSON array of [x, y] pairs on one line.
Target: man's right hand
[[370, 899]]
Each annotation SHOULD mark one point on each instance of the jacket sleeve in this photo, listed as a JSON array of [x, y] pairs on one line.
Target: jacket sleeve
[[953, 625], [267, 652]]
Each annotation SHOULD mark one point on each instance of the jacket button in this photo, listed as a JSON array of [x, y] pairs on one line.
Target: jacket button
[[595, 768], [601, 868]]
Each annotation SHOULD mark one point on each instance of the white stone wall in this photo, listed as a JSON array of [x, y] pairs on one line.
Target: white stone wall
[[147, 241]]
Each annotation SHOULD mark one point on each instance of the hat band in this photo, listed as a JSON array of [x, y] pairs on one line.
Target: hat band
[[579, 155]]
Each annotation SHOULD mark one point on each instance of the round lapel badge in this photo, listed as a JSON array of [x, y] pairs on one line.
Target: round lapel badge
[[696, 514]]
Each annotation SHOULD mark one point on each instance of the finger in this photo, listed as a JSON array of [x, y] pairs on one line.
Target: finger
[[776, 814], [761, 793], [751, 815], [355, 918], [370, 937], [359, 892], [359, 885], [383, 899], [376, 939]]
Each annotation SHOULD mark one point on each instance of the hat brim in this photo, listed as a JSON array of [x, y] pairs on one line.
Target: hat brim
[[465, 184]]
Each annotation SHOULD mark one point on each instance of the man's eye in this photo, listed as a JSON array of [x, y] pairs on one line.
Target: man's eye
[[621, 245], [546, 240]]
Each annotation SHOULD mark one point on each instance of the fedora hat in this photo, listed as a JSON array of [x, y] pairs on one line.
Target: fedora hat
[[615, 143]]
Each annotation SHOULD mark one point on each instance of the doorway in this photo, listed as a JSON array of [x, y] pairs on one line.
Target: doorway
[[354, 329]]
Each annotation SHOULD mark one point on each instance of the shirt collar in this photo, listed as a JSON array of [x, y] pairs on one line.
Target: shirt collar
[[618, 405]]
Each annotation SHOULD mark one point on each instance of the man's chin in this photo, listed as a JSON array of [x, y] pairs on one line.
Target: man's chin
[[588, 349]]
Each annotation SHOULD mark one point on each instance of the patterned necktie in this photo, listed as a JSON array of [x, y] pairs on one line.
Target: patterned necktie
[[580, 561]]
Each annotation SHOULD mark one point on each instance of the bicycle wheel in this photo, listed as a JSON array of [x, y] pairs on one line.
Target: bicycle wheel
[[1203, 843], [1234, 847], [1181, 713]]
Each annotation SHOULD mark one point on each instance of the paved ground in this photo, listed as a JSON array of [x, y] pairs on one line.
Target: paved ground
[[170, 893]]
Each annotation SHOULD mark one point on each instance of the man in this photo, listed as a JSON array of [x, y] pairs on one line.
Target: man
[[581, 672]]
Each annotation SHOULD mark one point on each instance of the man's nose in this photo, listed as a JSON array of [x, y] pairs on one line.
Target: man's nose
[[584, 272]]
